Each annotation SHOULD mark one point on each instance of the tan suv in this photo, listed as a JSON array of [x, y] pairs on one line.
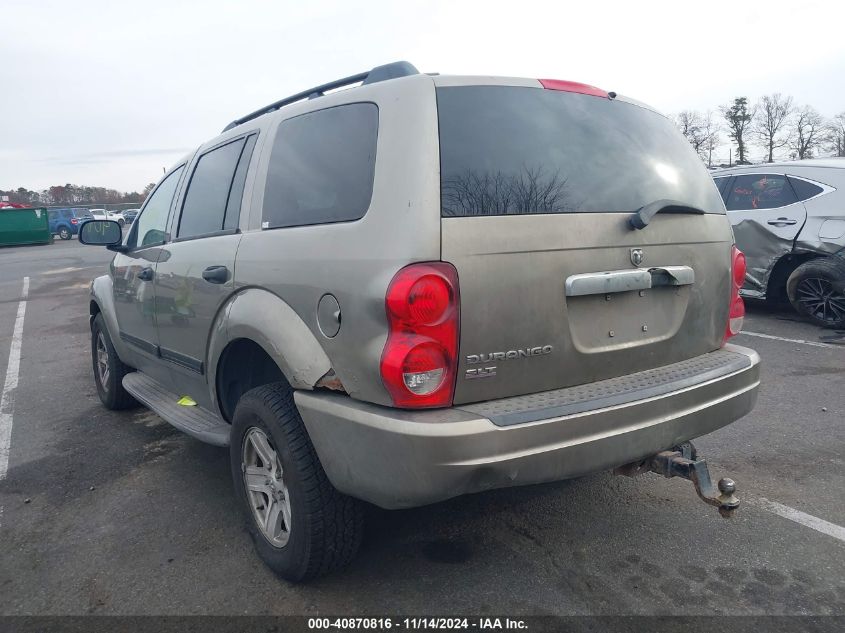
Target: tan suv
[[426, 286]]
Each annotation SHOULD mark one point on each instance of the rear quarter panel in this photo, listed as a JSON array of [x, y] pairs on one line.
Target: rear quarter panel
[[355, 261]]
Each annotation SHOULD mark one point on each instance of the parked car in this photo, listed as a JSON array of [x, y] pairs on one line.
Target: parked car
[[65, 222], [104, 214], [423, 287], [130, 214], [789, 220]]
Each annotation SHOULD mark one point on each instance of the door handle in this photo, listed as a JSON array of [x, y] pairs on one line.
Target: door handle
[[146, 274], [782, 222], [216, 274]]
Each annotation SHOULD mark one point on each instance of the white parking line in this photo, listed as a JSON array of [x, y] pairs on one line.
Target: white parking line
[[7, 402], [807, 520], [792, 340]]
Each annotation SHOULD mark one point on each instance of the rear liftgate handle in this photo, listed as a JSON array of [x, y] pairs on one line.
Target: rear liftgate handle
[[682, 461]]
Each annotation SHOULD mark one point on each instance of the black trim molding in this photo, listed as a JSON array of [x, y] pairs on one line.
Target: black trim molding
[[188, 362], [150, 348]]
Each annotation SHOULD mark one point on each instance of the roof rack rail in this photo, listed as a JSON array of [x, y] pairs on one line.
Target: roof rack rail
[[379, 73]]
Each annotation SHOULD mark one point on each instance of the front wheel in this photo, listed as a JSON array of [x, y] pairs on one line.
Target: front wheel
[[64, 233], [109, 370], [302, 527], [816, 290]]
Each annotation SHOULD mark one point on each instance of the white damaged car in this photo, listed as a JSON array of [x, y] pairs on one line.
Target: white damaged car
[[789, 220]]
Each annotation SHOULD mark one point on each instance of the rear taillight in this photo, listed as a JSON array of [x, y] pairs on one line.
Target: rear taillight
[[420, 357], [736, 314], [74, 221]]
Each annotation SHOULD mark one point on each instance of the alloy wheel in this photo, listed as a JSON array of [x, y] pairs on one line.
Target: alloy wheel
[[265, 487], [103, 371], [820, 299]]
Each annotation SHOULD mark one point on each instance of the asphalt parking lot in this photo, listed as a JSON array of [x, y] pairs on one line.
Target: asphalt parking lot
[[118, 513]]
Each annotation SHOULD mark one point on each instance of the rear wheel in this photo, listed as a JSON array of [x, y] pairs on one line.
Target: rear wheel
[[64, 233], [109, 370], [302, 527], [816, 290]]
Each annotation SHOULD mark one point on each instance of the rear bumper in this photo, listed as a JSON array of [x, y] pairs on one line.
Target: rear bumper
[[398, 459]]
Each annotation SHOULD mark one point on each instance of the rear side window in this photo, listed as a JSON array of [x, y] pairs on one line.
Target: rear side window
[[510, 150], [722, 185], [760, 191], [322, 167], [204, 209], [803, 189]]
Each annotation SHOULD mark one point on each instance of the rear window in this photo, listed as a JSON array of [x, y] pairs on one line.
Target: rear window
[[510, 150], [759, 191], [322, 167], [803, 189]]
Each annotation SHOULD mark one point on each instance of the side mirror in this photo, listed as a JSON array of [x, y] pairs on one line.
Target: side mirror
[[100, 233]]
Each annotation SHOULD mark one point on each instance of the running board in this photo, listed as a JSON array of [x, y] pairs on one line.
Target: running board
[[193, 420]]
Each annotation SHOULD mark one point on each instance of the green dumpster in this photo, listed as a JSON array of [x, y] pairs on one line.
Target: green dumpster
[[24, 226]]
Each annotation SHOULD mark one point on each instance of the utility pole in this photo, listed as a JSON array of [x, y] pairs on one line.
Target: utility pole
[[729, 156]]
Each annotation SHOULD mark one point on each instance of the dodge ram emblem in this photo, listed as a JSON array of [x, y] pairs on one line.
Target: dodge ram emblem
[[637, 256]]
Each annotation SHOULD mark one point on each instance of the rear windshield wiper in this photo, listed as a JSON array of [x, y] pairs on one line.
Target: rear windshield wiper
[[640, 219]]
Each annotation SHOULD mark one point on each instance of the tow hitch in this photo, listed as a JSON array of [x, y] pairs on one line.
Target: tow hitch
[[682, 461]]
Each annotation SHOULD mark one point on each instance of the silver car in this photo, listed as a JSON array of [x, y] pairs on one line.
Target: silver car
[[425, 286], [789, 220]]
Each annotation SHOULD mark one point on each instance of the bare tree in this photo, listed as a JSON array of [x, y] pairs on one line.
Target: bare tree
[[496, 193], [689, 123], [836, 134], [770, 124], [712, 137], [739, 117], [808, 132], [700, 130]]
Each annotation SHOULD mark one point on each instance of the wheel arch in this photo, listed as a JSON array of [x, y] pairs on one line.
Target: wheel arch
[[783, 268], [101, 301], [261, 330]]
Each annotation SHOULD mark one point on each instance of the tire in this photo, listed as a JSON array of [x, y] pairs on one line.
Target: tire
[[315, 528], [65, 233], [816, 290], [109, 370]]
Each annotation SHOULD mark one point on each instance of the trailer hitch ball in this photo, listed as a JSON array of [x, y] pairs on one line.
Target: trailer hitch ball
[[728, 501], [682, 461]]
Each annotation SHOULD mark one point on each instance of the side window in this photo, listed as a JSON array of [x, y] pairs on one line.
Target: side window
[[204, 209], [233, 207], [322, 167], [722, 185], [760, 191], [52, 215], [68, 213], [151, 224], [803, 189]]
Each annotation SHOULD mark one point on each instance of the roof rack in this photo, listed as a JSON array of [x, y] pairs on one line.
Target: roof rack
[[379, 73]]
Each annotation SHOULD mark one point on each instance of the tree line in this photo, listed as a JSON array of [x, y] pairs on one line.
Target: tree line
[[71, 195], [774, 124]]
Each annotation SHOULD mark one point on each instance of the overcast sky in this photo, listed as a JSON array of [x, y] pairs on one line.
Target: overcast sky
[[107, 93]]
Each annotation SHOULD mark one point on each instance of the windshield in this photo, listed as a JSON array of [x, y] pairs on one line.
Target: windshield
[[513, 150]]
